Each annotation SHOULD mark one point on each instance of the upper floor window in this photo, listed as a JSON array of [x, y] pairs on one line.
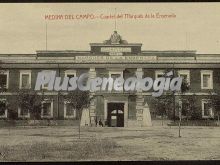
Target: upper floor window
[[3, 108], [207, 111], [4, 79], [185, 74], [45, 86], [25, 79], [115, 74], [47, 109], [206, 79], [70, 73], [159, 73]]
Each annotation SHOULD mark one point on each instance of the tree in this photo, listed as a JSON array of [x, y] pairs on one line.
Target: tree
[[167, 100], [172, 93], [194, 109], [187, 107], [78, 100], [30, 100], [12, 115], [3, 104], [162, 105], [184, 88], [11, 110], [215, 104], [2, 82]]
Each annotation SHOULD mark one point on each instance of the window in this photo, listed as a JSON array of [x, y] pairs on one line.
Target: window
[[3, 108], [159, 73], [69, 111], [207, 79], [25, 79], [4, 79], [23, 112], [117, 111], [47, 109], [207, 111], [70, 73], [185, 74], [184, 107], [115, 74], [46, 86]]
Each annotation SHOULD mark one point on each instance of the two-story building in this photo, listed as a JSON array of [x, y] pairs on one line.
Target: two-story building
[[114, 57]]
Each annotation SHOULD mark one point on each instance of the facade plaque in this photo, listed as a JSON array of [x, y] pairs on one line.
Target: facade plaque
[[115, 51], [119, 59]]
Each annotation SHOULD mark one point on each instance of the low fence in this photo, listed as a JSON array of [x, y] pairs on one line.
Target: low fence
[[195, 123], [7, 123], [157, 122]]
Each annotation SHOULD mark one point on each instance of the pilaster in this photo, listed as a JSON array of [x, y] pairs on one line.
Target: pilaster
[[139, 100], [92, 107]]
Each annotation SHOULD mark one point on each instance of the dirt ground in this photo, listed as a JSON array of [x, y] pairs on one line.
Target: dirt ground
[[150, 143]]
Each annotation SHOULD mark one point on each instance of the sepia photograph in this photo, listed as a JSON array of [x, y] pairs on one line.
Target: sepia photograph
[[109, 82]]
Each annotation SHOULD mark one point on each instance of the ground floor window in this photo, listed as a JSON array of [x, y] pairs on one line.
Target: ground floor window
[[47, 109], [69, 111], [3, 109], [207, 111], [184, 107], [23, 112], [4, 79]]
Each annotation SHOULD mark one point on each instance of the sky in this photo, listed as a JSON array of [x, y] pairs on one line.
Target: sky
[[195, 27]]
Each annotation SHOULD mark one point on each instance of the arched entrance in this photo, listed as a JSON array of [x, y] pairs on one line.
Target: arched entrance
[[115, 117]]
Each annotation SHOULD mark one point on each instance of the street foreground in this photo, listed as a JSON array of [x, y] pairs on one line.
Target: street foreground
[[152, 143]]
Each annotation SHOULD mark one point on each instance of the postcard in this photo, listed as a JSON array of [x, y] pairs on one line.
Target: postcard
[[109, 82]]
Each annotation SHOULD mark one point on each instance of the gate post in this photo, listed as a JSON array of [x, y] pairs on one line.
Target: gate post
[[139, 100], [92, 106]]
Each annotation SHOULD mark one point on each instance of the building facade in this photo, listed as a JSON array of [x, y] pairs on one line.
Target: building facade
[[112, 58]]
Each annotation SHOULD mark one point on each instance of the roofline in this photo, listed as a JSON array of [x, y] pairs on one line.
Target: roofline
[[169, 51], [116, 45], [143, 51], [17, 53], [62, 51]]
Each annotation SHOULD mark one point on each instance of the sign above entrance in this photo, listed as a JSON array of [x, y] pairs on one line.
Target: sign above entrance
[[114, 59], [115, 46], [116, 50]]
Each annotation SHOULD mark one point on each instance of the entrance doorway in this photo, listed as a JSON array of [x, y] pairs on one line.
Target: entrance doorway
[[115, 117]]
